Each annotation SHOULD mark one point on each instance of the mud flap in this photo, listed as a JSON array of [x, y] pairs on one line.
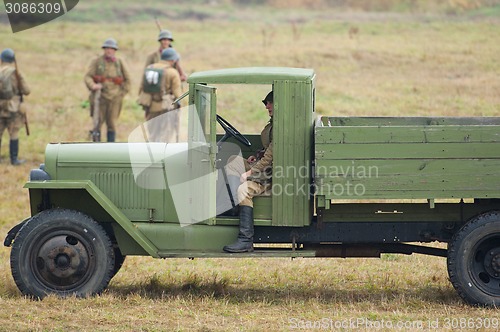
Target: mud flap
[[11, 235]]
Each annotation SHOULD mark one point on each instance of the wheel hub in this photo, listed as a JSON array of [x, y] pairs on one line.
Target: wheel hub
[[62, 260], [492, 262]]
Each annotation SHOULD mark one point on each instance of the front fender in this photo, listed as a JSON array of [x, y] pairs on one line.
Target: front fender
[[103, 201], [11, 235]]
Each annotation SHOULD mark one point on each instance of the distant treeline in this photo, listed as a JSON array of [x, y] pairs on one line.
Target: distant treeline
[[372, 5], [126, 11]]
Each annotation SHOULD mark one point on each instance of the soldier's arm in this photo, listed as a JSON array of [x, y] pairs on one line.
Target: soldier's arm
[[265, 161], [182, 75], [91, 71], [23, 86], [126, 78], [175, 83]]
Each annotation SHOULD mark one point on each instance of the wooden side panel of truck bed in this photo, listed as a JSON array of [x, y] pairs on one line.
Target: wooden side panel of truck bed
[[407, 158]]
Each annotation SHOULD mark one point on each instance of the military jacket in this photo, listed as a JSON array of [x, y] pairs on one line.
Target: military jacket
[[18, 87], [113, 75], [153, 58], [262, 169], [171, 85]]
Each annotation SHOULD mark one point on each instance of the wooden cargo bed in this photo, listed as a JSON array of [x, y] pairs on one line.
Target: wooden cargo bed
[[407, 158]]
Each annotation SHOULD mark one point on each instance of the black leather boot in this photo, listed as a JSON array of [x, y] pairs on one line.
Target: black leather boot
[[244, 243], [233, 183], [14, 151], [111, 136]]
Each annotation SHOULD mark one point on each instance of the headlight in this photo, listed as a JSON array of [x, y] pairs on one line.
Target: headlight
[[39, 174]]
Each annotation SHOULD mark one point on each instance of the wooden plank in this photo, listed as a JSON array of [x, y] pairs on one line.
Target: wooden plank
[[407, 134], [405, 167], [435, 183], [407, 121], [407, 151], [469, 178], [410, 194]]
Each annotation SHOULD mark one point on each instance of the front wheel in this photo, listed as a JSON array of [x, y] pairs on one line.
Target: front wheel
[[474, 260], [62, 252]]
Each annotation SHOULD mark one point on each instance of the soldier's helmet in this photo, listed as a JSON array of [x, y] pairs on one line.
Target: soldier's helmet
[[169, 54], [7, 55], [165, 34], [269, 98], [110, 43]]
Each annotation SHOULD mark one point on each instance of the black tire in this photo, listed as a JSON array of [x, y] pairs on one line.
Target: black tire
[[119, 260], [62, 252], [474, 260]]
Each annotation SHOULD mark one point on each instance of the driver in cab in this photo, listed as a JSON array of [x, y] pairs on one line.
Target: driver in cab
[[251, 181]]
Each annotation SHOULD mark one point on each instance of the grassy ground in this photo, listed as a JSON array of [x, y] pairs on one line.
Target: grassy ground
[[366, 63]]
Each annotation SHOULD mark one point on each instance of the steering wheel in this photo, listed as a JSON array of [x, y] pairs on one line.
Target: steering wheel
[[231, 131]]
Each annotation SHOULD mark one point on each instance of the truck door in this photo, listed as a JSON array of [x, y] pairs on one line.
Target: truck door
[[202, 152]]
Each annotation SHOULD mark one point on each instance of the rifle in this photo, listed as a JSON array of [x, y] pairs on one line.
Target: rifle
[[94, 133], [158, 23], [21, 98]]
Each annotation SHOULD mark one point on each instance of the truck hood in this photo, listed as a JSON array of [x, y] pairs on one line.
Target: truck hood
[[112, 155]]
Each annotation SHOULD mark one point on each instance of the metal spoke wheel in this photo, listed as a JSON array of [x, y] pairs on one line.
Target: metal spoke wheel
[[62, 252], [474, 260]]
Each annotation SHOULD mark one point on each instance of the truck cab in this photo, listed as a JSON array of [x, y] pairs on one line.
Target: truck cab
[[293, 125]]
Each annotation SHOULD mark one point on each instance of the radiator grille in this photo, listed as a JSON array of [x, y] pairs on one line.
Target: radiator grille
[[121, 189]]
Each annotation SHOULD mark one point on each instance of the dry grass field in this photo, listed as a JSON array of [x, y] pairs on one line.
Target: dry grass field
[[367, 63]]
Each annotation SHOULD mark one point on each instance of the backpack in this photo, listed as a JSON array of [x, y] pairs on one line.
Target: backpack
[[6, 90], [153, 80]]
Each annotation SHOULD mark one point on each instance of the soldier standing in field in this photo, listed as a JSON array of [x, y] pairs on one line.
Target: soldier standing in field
[[108, 80], [165, 39], [12, 113], [160, 87]]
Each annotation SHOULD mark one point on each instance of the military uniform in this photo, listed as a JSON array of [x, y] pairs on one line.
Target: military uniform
[[12, 111], [153, 58], [171, 85], [162, 128], [115, 79], [260, 180]]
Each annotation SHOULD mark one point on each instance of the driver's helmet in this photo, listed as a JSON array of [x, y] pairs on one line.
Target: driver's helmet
[[269, 98]]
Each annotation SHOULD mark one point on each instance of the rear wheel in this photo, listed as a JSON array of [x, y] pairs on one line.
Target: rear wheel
[[474, 260], [62, 252]]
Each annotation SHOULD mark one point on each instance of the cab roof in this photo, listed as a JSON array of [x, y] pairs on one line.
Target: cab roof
[[251, 75]]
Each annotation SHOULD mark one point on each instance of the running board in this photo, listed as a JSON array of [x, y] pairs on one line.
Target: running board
[[317, 250], [258, 252]]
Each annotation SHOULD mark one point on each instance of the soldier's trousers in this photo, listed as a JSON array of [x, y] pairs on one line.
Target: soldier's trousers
[[109, 111], [236, 166], [12, 123], [248, 190]]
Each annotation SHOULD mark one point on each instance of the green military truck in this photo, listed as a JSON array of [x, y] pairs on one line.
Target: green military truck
[[342, 187]]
